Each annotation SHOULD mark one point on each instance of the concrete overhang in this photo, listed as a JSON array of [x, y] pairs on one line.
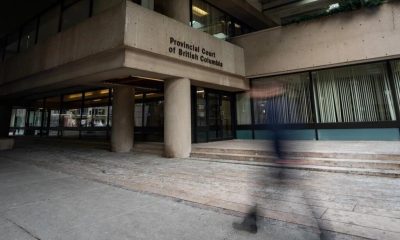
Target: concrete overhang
[[127, 40]]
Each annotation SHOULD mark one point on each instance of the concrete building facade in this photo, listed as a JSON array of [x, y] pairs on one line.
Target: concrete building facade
[[180, 71]]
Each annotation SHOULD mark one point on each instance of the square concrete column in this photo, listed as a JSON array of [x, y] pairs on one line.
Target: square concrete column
[[177, 118], [5, 117], [122, 119]]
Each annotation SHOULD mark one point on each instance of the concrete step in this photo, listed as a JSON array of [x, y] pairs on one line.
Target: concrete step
[[359, 171], [299, 154], [149, 147], [349, 163]]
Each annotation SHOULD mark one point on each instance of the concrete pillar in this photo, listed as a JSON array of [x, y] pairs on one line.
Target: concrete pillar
[[122, 119], [5, 117], [177, 118], [176, 9]]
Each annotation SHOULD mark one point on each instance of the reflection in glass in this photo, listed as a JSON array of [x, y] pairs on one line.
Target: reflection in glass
[[209, 19], [243, 108], [154, 113], [294, 105]]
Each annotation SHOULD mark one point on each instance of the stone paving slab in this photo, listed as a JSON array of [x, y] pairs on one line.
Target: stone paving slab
[[344, 206], [83, 209]]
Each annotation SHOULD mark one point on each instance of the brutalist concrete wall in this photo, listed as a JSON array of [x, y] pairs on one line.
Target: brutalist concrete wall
[[97, 34], [352, 37]]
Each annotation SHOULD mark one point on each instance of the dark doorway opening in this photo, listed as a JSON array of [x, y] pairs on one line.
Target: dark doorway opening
[[212, 114]]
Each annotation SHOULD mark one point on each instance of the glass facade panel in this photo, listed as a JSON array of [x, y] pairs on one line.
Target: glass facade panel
[[75, 13], [138, 114], [201, 108], [102, 5], [71, 110], [95, 112], [290, 104], [49, 23], [243, 109], [154, 113], [211, 20], [396, 77], [17, 122], [28, 36], [354, 94]]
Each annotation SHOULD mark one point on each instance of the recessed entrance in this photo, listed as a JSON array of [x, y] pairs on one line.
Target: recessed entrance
[[212, 115]]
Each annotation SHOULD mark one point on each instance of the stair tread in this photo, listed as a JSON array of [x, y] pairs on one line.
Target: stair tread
[[300, 158], [309, 167]]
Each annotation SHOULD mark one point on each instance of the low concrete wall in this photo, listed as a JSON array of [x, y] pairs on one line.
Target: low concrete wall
[[351, 37], [6, 143]]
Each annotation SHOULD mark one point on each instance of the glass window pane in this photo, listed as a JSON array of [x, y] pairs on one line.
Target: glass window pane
[[396, 75], [18, 117], [208, 19], [28, 35], [49, 23], [138, 114], [154, 113], [354, 94], [282, 99], [11, 48], [201, 107], [75, 13], [243, 108], [70, 117], [54, 118], [95, 113], [53, 105], [102, 5]]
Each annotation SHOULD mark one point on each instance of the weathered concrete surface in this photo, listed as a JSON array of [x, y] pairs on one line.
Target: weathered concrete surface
[[352, 37], [42, 204], [122, 132], [177, 118], [345, 206], [6, 143]]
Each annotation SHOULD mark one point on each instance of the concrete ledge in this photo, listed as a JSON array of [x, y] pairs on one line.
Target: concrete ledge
[[6, 143]]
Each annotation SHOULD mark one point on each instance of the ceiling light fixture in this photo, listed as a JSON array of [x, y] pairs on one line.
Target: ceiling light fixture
[[199, 12]]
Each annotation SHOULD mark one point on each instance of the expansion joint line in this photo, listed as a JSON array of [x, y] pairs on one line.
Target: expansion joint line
[[23, 229]]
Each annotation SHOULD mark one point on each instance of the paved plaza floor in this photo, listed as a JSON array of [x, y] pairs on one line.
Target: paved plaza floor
[[80, 190]]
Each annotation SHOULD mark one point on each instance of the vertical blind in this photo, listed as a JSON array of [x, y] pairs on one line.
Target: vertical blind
[[396, 77], [293, 106], [354, 94], [360, 93]]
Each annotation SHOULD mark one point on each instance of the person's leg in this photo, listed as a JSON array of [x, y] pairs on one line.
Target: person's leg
[[249, 223]]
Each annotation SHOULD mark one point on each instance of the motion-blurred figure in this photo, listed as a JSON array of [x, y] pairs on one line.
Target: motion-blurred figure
[[274, 93]]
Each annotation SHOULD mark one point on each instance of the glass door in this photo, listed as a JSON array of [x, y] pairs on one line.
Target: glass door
[[212, 115]]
